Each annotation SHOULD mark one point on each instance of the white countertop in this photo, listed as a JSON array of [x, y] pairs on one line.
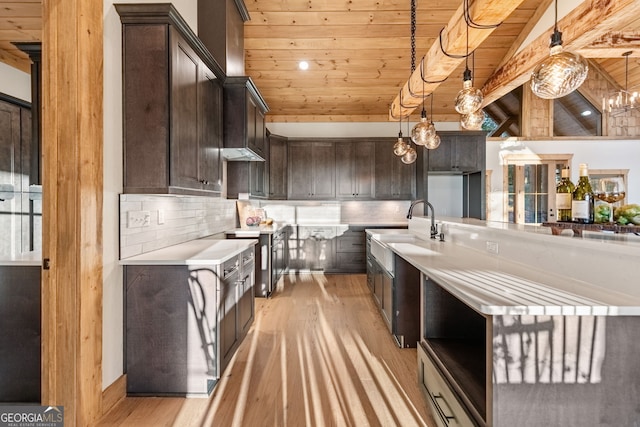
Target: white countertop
[[203, 251], [495, 286], [23, 259]]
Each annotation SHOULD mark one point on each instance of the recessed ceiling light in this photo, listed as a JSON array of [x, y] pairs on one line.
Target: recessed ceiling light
[[585, 113], [303, 65]]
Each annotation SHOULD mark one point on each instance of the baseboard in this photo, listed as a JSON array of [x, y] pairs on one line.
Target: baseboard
[[114, 394]]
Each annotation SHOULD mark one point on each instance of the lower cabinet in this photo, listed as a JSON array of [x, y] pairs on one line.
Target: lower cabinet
[[184, 323], [312, 247], [236, 307], [20, 334], [397, 295]]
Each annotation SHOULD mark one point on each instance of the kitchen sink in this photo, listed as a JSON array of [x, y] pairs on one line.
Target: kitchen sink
[[412, 249], [383, 254]]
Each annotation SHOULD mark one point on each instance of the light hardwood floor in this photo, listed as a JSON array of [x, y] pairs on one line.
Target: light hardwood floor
[[318, 354]]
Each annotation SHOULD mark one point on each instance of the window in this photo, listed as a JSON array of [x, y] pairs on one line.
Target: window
[[530, 182], [574, 115]]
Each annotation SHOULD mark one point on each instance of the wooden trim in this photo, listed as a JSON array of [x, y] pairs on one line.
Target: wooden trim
[[113, 394], [72, 134]]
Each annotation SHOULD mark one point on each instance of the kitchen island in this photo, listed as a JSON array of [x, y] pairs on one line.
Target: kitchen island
[[514, 330]]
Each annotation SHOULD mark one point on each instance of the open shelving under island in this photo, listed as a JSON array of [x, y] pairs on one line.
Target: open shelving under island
[[505, 342]]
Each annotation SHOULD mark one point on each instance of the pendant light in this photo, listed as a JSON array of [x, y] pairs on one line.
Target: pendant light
[[621, 101], [472, 121], [433, 141], [562, 72], [469, 99], [411, 155], [400, 147], [423, 130]]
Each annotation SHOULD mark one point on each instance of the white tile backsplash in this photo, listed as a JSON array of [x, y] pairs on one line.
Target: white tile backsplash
[[185, 218]]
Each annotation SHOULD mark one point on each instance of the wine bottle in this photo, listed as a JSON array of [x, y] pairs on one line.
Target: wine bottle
[[582, 203], [564, 195]]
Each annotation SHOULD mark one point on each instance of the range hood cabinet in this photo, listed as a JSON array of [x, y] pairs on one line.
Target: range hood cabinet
[[244, 123]]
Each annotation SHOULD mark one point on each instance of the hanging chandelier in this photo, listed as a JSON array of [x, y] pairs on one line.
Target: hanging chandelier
[[562, 72], [623, 100]]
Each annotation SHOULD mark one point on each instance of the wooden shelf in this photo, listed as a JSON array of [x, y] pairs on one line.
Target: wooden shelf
[[558, 227]]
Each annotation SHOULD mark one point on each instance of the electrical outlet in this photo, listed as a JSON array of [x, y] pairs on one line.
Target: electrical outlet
[[160, 216], [492, 247], [137, 219]]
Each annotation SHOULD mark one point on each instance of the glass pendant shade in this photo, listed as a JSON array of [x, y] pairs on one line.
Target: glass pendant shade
[[559, 75], [422, 131], [433, 143], [472, 121], [469, 99], [400, 147], [410, 156]]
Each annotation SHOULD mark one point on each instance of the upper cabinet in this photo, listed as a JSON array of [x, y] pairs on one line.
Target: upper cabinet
[[355, 170], [394, 179], [312, 170], [172, 105], [244, 122], [221, 29], [277, 167], [459, 152]]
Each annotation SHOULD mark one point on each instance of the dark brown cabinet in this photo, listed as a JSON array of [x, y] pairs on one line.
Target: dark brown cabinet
[[172, 105], [244, 117], [394, 180], [20, 334], [278, 171], [245, 138], [15, 147], [183, 324], [312, 170], [459, 152], [355, 170]]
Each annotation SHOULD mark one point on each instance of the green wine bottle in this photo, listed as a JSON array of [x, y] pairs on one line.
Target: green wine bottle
[[564, 195], [582, 204]]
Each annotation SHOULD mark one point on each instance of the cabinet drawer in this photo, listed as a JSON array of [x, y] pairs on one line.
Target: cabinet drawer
[[353, 243], [447, 409], [352, 261]]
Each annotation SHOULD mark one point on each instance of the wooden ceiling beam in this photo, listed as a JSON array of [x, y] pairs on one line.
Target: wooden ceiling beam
[[583, 25], [437, 65], [613, 44]]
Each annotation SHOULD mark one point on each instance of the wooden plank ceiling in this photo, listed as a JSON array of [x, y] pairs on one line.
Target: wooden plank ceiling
[[359, 52]]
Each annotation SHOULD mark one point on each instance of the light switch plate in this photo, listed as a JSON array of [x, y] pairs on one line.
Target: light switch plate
[[161, 216]]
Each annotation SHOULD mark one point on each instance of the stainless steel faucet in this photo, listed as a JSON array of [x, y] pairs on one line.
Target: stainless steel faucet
[[434, 227]]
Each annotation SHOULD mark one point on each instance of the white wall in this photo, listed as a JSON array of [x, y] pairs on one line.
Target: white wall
[[350, 130], [598, 154], [112, 328], [15, 83]]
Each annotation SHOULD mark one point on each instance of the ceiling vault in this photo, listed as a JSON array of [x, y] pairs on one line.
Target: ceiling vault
[[582, 26]]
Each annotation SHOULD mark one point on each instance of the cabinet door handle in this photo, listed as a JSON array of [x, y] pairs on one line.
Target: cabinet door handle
[[440, 409]]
